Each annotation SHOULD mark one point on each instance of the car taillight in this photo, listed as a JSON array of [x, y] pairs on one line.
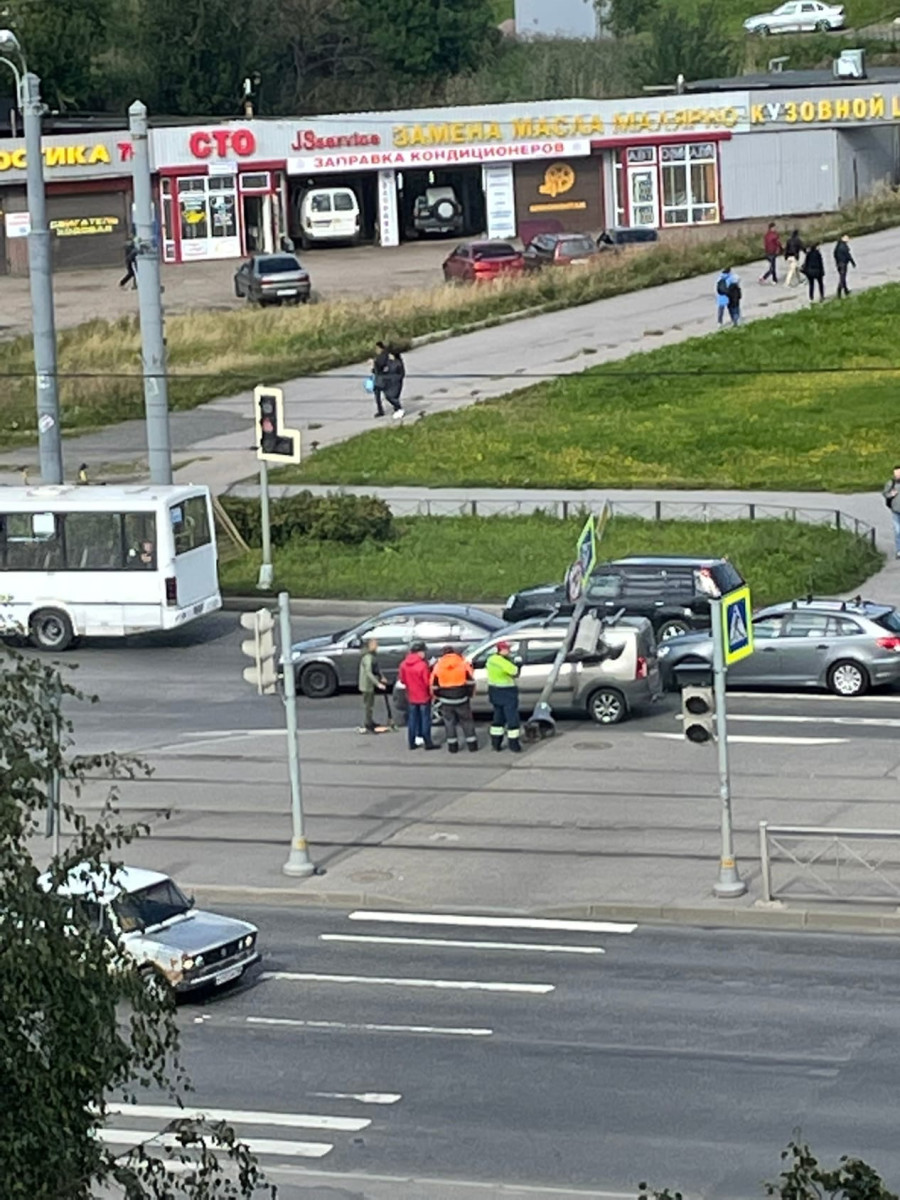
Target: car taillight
[[888, 643], [482, 264], [641, 668], [172, 592]]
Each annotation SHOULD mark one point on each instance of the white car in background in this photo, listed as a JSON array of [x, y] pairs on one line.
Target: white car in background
[[797, 16]]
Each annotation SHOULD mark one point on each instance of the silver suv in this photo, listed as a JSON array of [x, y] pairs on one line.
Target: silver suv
[[605, 691]]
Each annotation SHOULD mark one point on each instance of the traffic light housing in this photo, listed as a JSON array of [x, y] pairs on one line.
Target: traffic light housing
[[274, 441], [698, 714], [261, 648]]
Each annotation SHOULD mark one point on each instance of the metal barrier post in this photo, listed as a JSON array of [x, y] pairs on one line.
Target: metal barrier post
[[764, 860]]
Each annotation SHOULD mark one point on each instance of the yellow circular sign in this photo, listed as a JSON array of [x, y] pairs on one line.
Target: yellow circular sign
[[558, 178]]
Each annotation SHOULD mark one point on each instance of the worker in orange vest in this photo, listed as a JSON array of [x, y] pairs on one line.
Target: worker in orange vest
[[453, 682]]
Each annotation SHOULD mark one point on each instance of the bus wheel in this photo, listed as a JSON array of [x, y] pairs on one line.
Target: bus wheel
[[51, 629]]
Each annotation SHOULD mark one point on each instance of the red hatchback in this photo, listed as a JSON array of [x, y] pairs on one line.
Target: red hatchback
[[474, 261]]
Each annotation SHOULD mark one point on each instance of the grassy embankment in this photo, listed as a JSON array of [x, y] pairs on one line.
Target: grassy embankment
[[803, 401], [222, 353], [486, 558]]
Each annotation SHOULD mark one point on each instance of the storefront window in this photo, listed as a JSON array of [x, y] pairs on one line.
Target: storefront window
[[168, 231], [192, 209], [207, 216], [223, 206], [689, 188]]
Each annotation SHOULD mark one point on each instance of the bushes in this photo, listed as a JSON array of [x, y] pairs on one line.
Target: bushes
[[349, 520]]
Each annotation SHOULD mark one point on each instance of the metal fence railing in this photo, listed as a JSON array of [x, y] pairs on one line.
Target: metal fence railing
[[805, 862]]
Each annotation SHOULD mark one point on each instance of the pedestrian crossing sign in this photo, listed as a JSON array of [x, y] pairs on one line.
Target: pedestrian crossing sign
[[737, 621]]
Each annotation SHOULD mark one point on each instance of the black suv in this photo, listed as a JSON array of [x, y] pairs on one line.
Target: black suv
[[674, 591]]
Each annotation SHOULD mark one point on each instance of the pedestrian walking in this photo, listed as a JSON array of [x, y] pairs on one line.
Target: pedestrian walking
[[370, 681], [814, 270], [843, 258], [379, 367], [416, 679], [891, 493], [793, 248], [394, 375], [503, 693], [773, 248], [453, 683], [722, 294], [131, 256], [735, 296]]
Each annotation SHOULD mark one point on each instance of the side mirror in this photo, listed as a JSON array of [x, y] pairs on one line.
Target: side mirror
[[354, 643]]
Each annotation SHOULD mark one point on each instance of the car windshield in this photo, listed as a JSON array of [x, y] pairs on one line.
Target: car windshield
[[278, 264], [500, 251], [150, 906], [573, 246]]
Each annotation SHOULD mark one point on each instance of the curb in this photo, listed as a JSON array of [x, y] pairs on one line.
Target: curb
[[757, 917], [328, 608]]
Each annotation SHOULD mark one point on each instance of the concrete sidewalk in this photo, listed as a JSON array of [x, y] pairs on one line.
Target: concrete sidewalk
[[215, 440]]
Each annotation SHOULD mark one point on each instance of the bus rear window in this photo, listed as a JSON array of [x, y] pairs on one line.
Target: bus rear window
[[190, 524]]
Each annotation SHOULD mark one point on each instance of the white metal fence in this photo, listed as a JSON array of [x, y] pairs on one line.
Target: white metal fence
[[805, 862]]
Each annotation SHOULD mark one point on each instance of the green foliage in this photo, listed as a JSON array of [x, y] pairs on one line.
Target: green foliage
[[424, 40], [63, 43], [486, 558], [631, 16], [79, 1020], [691, 43], [802, 401], [349, 519]]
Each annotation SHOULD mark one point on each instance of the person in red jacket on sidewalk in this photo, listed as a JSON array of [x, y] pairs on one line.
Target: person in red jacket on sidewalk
[[415, 675], [773, 248]]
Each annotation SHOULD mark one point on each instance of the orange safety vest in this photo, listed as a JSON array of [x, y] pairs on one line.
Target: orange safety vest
[[452, 679]]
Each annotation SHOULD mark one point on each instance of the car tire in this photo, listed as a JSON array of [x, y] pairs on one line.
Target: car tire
[[318, 681], [607, 706], [848, 678], [822, 27], [762, 30], [671, 628], [50, 629]]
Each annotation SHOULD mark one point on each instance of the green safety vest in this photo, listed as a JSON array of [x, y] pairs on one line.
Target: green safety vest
[[501, 671]]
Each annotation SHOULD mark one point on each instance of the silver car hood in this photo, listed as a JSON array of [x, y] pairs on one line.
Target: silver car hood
[[196, 933]]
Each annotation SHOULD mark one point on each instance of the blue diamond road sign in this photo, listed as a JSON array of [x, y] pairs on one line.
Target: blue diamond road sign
[[737, 621]]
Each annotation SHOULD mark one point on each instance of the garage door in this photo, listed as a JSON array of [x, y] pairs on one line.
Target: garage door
[[89, 229]]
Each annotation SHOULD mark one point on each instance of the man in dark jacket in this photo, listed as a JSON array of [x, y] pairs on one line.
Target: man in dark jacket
[[843, 258], [379, 366], [394, 375], [734, 299], [772, 246], [814, 270], [793, 248]]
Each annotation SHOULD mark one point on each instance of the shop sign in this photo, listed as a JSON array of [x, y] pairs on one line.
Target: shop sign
[[18, 224], [388, 217], [677, 121], [436, 156], [82, 226], [222, 143], [58, 156], [308, 139], [808, 112], [499, 199]]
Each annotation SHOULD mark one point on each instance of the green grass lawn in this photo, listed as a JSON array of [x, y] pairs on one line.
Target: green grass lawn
[[787, 403], [486, 558]]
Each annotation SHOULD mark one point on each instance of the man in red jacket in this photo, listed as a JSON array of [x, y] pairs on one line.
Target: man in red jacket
[[773, 248], [415, 676]]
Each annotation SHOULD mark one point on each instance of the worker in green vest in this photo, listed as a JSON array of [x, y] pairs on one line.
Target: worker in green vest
[[503, 693]]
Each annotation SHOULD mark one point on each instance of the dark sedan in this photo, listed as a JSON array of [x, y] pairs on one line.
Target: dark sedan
[[559, 250], [272, 279], [325, 664]]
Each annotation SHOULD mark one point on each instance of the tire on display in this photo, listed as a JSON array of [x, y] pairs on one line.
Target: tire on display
[[606, 706], [670, 629], [318, 681], [848, 678], [50, 629]]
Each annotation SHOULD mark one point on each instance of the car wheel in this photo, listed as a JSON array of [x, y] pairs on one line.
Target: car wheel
[[670, 629], [847, 678], [762, 30], [823, 27], [318, 681], [50, 629], [606, 706]]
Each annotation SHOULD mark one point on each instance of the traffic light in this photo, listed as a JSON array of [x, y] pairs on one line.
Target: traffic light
[[587, 637], [698, 714], [274, 442], [261, 648]]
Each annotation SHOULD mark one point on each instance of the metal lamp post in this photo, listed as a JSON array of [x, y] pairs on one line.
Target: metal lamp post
[[28, 95]]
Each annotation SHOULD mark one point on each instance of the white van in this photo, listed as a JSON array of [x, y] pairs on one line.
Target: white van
[[328, 214]]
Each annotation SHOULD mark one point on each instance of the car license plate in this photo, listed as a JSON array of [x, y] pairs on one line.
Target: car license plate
[[227, 976], [287, 292]]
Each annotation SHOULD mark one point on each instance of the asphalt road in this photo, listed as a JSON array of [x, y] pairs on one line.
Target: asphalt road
[[579, 1058]]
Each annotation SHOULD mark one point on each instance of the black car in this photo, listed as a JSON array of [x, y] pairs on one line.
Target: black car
[[626, 235], [673, 591]]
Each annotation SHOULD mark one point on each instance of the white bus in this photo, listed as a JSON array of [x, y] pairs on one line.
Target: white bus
[[104, 561]]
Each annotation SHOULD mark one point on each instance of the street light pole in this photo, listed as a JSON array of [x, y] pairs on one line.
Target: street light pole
[[41, 282], [153, 343]]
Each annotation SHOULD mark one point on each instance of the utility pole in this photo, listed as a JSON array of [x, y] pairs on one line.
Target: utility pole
[[41, 281], [153, 343], [729, 883], [298, 863], [266, 570]]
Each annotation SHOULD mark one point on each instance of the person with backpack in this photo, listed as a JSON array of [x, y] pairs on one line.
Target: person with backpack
[[734, 299], [793, 248], [722, 294], [814, 270], [773, 248], [843, 258]]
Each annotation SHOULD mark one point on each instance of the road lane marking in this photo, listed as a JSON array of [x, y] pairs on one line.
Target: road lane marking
[[459, 985], [168, 1141], [830, 697], [493, 1190], [361, 1097], [546, 923], [874, 722], [760, 740], [173, 1112], [366, 1027], [409, 941]]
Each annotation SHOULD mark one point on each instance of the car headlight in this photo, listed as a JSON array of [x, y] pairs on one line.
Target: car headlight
[[187, 963], [249, 940], [663, 650]]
